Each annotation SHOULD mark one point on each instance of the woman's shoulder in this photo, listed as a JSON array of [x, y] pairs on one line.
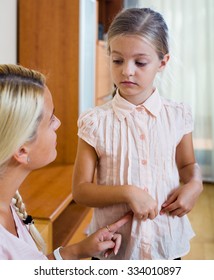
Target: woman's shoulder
[[5, 241], [14, 248], [2, 243]]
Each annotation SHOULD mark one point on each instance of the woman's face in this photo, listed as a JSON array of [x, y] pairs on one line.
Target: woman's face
[[42, 150]]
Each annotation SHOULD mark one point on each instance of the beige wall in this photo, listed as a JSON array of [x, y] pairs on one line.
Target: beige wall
[[8, 27]]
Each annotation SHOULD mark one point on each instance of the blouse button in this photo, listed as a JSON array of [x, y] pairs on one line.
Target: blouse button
[[142, 136], [144, 161], [140, 109]]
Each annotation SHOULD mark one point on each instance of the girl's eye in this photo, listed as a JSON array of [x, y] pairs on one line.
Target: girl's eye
[[141, 64], [117, 61]]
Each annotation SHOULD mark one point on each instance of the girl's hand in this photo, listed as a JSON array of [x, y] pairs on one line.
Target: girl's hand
[[181, 200], [105, 240], [142, 204]]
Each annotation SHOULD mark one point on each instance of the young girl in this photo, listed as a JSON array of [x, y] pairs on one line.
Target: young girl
[[141, 145], [28, 142]]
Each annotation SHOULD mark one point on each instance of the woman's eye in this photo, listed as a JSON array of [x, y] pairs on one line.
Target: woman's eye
[[53, 118], [140, 64]]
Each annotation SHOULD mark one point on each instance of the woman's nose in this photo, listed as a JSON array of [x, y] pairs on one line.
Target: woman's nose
[[57, 123]]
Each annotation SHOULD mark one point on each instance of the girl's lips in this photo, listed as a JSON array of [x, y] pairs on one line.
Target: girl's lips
[[128, 83]]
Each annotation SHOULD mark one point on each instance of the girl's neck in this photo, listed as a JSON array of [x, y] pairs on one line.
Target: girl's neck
[[138, 98]]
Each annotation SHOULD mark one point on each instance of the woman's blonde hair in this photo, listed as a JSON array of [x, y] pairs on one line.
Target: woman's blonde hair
[[143, 22], [21, 110]]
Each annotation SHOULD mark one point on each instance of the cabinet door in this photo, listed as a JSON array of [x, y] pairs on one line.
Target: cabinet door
[[49, 42]]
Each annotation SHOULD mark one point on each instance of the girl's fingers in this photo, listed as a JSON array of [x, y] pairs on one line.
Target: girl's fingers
[[169, 200]]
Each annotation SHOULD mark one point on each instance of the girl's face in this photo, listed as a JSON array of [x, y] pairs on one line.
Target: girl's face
[[42, 150], [134, 64]]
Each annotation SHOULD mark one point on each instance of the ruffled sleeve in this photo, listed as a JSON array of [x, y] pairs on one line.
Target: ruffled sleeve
[[87, 127], [188, 119]]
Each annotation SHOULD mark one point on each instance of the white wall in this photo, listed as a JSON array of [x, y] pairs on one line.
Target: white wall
[[8, 31], [87, 54]]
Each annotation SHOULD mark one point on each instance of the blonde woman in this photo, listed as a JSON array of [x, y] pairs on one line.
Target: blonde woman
[[27, 142]]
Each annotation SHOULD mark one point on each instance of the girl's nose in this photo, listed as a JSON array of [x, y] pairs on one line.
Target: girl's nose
[[128, 69]]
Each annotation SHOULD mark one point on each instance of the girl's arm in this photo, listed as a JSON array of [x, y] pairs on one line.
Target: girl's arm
[[87, 192], [182, 200]]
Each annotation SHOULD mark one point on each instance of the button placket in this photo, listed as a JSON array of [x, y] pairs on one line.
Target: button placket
[[142, 137], [141, 118]]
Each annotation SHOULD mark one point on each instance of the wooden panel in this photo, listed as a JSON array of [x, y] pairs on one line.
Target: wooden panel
[[82, 231], [67, 223], [47, 192], [48, 38]]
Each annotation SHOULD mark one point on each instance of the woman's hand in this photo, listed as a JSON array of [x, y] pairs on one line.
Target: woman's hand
[[105, 240]]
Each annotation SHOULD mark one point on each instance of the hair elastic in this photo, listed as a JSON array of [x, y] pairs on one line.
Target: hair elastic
[[28, 220]]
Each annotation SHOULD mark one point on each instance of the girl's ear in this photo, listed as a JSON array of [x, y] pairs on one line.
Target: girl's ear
[[164, 62], [22, 155]]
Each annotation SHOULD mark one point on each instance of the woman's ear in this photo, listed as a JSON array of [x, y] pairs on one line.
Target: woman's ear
[[22, 155], [164, 62]]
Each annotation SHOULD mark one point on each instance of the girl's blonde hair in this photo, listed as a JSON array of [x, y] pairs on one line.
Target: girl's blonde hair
[[21, 110], [143, 22]]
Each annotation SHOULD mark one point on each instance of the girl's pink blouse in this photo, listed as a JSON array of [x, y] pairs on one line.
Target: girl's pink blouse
[[18, 248], [136, 145]]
